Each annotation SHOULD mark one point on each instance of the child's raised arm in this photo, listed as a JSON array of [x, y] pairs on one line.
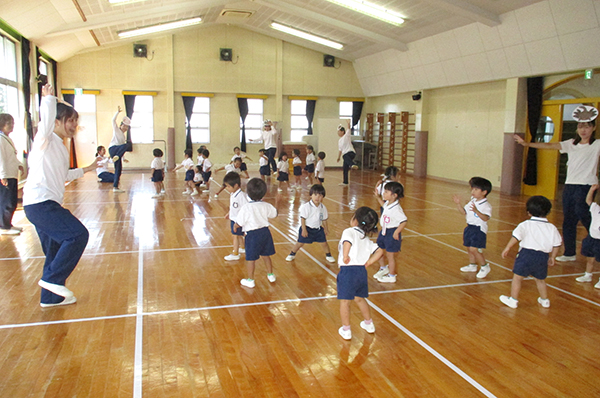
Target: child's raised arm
[[378, 197], [458, 200], [590, 195]]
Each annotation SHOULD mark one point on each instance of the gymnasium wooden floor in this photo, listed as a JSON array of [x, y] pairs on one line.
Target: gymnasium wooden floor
[[161, 314]]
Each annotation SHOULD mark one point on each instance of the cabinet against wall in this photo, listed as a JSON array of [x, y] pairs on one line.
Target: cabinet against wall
[[288, 147]]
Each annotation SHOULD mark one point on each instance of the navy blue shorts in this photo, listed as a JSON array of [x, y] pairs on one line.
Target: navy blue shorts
[[157, 176], [531, 262], [243, 167], [473, 237], [206, 176], [238, 232], [189, 175], [297, 170], [281, 176], [590, 247], [259, 242], [265, 170], [314, 235], [387, 241], [310, 168], [352, 282], [321, 180]]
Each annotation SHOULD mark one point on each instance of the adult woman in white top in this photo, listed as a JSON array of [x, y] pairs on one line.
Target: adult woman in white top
[[268, 137], [9, 172], [582, 167], [346, 150], [63, 237]]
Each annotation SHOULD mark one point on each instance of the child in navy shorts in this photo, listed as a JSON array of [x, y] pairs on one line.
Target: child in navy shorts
[[313, 220], [393, 220], [158, 172], [320, 168], [297, 163], [237, 200], [356, 252], [188, 166], [254, 218], [310, 163], [478, 212], [263, 163], [590, 247], [283, 171], [538, 247], [206, 165]]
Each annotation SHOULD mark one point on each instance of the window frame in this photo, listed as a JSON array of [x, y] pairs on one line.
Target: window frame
[[147, 126], [296, 133], [198, 129], [254, 132], [348, 116]]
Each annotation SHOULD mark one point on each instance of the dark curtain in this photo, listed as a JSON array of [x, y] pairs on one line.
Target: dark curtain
[[129, 104], [243, 106], [54, 73], [70, 98], [356, 112], [37, 73], [26, 70], [188, 105], [310, 114], [535, 89]]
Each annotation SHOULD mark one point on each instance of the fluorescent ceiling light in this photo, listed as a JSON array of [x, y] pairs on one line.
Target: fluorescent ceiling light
[[159, 28], [307, 36], [372, 10], [124, 1]]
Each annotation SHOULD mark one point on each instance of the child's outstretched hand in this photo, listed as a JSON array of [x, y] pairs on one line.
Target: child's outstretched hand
[[457, 199], [375, 193]]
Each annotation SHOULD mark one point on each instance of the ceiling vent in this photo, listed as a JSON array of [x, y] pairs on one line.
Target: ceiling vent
[[236, 14]]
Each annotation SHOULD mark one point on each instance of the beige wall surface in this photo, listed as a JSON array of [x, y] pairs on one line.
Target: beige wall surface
[[466, 127], [195, 67]]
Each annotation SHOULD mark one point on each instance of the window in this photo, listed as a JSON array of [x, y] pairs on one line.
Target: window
[[200, 121], [346, 113], [142, 121], [9, 91], [86, 137], [299, 123], [254, 120]]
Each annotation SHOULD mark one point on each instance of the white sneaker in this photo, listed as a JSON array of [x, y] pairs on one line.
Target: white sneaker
[[186, 192], [330, 259], [242, 251], [271, 277], [346, 334], [585, 278], [118, 190], [484, 271], [354, 167], [509, 301], [66, 301], [202, 186], [382, 271], [469, 268], [115, 159], [248, 283], [15, 228], [194, 193], [597, 285], [387, 279], [99, 179], [566, 258], [342, 184], [156, 196], [544, 302], [56, 289], [162, 191], [232, 257], [370, 327], [216, 195], [290, 257], [9, 232]]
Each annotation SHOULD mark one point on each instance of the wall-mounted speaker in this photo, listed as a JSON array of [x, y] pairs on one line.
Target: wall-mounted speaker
[[417, 96], [329, 61], [226, 54], [140, 51]]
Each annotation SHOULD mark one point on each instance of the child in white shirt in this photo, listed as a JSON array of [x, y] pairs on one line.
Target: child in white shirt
[[297, 163], [310, 163], [356, 253], [320, 169], [206, 166], [263, 163], [158, 172], [254, 218], [234, 167], [102, 170], [590, 247], [188, 166], [237, 200], [283, 172]]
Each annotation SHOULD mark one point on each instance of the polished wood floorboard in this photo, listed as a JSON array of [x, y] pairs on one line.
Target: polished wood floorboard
[[161, 314]]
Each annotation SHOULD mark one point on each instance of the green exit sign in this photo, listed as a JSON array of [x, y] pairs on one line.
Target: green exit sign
[[78, 91], [588, 74]]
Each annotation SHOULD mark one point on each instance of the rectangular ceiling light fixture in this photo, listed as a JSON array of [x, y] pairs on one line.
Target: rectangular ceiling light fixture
[[307, 36], [372, 10], [119, 2], [159, 28]]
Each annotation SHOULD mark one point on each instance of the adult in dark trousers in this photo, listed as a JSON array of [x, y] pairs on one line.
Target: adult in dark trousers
[[9, 172], [119, 145]]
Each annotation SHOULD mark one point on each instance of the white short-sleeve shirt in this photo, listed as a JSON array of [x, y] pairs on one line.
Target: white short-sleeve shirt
[[255, 215], [361, 250], [345, 143], [237, 200], [537, 234], [102, 165], [283, 166], [392, 216], [242, 156], [297, 161], [313, 214], [310, 158], [582, 166], [595, 225], [187, 164], [206, 165], [320, 169], [157, 164], [473, 219], [263, 161], [231, 168]]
